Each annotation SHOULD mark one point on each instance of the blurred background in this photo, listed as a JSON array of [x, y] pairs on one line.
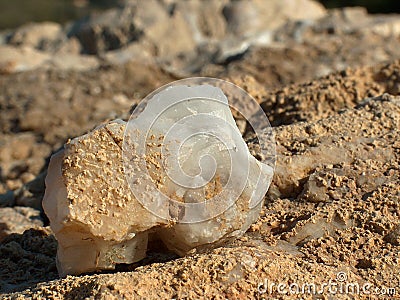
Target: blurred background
[[18, 12], [12, 14]]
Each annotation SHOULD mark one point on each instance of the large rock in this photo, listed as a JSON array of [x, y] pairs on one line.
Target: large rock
[[149, 24], [104, 196]]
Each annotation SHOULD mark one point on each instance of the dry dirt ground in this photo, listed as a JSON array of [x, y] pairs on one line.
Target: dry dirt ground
[[332, 214]]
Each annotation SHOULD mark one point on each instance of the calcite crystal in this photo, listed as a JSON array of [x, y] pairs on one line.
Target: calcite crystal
[[179, 171]]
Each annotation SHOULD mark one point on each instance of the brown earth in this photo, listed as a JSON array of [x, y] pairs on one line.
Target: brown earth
[[334, 202], [333, 207]]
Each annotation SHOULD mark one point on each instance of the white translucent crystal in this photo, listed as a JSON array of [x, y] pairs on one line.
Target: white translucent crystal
[[205, 177], [179, 170]]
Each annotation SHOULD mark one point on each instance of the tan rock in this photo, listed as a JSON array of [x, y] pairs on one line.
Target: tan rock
[[312, 147], [93, 214], [104, 196]]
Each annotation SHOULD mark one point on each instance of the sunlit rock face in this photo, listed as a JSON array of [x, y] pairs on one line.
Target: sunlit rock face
[[94, 216], [191, 166], [179, 169]]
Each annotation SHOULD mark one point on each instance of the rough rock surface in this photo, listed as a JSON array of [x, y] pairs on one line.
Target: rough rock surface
[[87, 186], [320, 99], [82, 203], [318, 221]]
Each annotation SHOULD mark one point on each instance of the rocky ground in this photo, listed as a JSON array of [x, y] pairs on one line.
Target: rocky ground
[[327, 80]]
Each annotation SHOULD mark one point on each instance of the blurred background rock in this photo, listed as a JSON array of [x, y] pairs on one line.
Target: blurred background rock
[[18, 12], [15, 13], [373, 6]]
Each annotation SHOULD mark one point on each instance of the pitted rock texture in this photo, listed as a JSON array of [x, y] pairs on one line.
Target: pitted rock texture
[[93, 214], [327, 217], [97, 187]]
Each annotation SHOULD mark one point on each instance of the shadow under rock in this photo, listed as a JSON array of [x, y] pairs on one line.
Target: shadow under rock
[[157, 252], [84, 290], [27, 259]]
